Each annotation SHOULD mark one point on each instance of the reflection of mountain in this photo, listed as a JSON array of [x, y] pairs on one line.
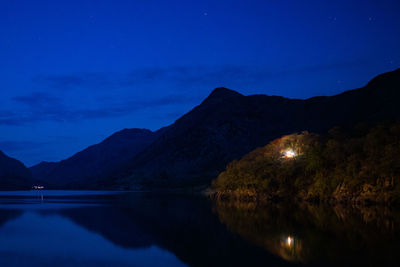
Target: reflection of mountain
[[7, 215], [184, 226], [113, 223], [248, 236], [317, 234]]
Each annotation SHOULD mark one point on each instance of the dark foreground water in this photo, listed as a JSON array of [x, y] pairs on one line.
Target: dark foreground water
[[78, 228]]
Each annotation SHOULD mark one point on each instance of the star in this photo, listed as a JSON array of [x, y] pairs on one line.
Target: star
[[205, 14]]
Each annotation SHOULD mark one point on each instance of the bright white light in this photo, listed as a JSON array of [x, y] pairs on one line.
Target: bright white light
[[289, 154], [289, 241]]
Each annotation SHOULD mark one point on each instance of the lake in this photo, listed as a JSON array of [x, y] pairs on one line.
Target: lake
[[105, 228]]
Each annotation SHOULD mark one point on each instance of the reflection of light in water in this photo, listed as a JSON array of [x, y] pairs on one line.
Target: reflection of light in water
[[289, 241], [289, 248]]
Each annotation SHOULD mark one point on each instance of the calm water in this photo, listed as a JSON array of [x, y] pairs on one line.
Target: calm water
[[86, 228]]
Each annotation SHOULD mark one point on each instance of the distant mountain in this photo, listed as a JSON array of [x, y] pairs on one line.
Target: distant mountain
[[13, 174], [43, 169], [85, 168], [227, 125]]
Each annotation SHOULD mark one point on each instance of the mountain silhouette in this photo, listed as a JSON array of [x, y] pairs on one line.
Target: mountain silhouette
[[13, 174], [224, 127], [85, 168]]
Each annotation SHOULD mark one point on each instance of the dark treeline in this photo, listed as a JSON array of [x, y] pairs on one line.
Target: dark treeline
[[359, 165]]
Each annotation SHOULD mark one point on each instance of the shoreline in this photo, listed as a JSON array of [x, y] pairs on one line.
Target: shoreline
[[251, 196]]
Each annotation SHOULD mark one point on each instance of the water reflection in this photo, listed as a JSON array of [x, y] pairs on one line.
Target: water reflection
[[316, 234], [171, 230], [128, 229], [36, 240]]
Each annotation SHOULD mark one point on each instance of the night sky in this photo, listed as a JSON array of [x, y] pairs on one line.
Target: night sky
[[74, 72]]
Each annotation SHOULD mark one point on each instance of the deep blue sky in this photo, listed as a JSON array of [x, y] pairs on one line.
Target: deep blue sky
[[74, 72]]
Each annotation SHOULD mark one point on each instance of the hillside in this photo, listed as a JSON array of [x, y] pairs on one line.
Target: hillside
[[13, 174], [84, 169], [359, 166]]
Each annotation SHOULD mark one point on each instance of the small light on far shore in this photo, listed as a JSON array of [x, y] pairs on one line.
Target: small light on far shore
[[38, 187]]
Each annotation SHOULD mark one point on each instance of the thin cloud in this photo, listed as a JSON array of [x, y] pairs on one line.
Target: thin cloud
[[13, 146], [76, 80], [41, 106], [37, 99], [186, 76]]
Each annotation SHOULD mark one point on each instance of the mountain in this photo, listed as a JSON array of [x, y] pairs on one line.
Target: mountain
[[224, 127], [13, 174], [227, 125], [43, 169], [85, 168]]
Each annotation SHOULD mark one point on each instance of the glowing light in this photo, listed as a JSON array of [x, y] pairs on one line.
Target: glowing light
[[289, 154], [289, 241], [38, 187]]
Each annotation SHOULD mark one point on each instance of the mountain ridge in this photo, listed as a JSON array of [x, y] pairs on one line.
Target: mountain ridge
[[189, 149], [13, 174], [226, 125], [95, 161]]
